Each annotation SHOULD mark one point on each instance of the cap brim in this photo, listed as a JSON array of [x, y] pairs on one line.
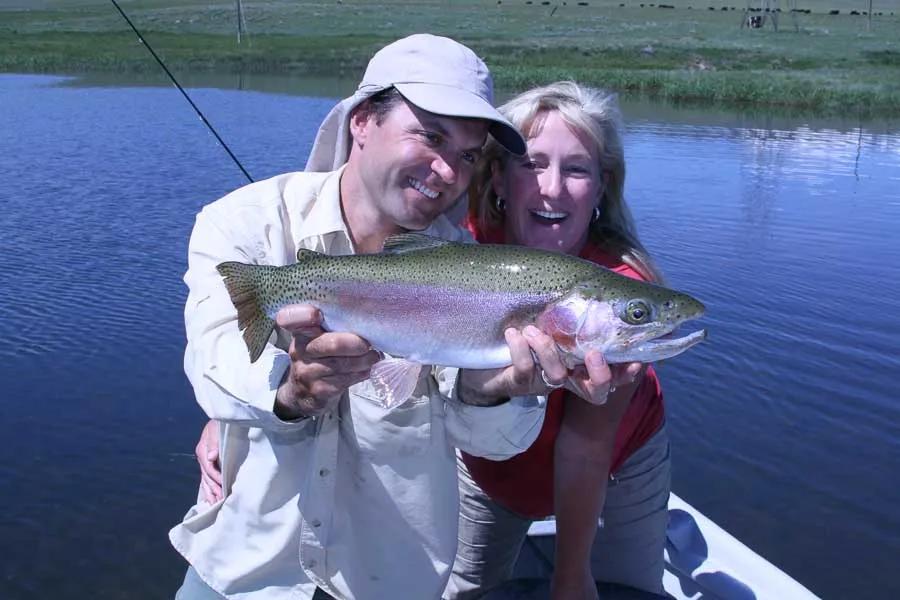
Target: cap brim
[[454, 102]]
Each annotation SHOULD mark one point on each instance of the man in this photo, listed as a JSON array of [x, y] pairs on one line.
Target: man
[[325, 491]]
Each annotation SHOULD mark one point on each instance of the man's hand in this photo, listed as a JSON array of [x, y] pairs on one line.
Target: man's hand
[[593, 381], [207, 452], [323, 364]]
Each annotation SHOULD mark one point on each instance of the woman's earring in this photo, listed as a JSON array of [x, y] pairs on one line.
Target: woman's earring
[[596, 215], [500, 204]]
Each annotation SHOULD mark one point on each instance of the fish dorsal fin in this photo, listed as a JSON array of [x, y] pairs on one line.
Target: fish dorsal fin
[[303, 253], [408, 242]]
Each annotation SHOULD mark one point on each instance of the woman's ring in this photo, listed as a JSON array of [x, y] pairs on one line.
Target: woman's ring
[[552, 386]]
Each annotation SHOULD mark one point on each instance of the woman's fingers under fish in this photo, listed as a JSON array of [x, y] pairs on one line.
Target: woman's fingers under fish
[[592, 380], [547, 354], [521, 372]]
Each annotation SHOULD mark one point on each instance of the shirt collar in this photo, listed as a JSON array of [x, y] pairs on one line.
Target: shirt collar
[[324, 219]]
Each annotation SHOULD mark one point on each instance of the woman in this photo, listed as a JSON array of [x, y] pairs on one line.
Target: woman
[[565, 194]]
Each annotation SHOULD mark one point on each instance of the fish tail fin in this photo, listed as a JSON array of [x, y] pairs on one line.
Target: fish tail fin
[[242, 282]]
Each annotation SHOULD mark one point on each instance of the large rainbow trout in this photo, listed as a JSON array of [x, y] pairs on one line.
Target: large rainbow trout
[[425, 301]]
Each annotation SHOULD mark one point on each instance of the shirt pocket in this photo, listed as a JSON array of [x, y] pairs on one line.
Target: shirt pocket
[[403, 431]]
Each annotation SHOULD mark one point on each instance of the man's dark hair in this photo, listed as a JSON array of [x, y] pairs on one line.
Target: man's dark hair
[[382, 103]]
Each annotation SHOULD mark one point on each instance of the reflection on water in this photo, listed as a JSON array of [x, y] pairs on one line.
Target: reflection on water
[[784, 423]]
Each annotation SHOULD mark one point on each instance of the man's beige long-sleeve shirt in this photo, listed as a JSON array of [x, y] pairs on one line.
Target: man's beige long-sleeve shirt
[[361, 501]]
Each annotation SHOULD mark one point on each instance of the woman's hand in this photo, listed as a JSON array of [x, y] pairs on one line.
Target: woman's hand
[[524, 377], [595, 380], [207, 452]]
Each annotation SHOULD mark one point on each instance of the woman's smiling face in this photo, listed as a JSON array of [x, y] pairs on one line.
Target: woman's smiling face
[[551, 192]]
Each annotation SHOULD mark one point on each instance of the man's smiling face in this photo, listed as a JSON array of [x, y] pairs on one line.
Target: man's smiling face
[[415, 164]]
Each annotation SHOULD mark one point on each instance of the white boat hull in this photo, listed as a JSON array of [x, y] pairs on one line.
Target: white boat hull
[[702, 561]]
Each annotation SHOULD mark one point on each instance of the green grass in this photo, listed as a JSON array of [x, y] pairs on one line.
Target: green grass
[[832, 64]]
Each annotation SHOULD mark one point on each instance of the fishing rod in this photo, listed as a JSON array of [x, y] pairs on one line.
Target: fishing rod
[[183, 93]]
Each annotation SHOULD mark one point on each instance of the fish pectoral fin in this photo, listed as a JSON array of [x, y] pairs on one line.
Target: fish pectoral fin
[[408, 242], [395, 380]]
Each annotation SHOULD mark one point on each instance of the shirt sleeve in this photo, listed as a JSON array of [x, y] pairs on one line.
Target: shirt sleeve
[[493, 432], [227, 385]]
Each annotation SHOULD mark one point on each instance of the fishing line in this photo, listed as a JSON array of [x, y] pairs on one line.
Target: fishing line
[[183, 93]]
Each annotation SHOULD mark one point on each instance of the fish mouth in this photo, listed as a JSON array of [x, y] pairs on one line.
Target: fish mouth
[[659, 348], [669, 339], [548, 217]]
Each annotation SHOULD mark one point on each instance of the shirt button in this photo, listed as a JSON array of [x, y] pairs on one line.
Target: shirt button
[[316, 523], [323, 472]]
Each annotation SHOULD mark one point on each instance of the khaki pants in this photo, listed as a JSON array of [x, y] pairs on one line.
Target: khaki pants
[[628, 548]]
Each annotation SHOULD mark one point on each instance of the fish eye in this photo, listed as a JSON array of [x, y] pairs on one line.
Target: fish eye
[[637, 312]]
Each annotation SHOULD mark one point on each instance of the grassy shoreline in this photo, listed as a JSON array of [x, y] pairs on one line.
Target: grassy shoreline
[[834, 64]]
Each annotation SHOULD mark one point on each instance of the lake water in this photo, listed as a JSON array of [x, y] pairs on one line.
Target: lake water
[[785, 423]]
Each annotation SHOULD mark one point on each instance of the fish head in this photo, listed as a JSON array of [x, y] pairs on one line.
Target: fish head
[[627, 322]]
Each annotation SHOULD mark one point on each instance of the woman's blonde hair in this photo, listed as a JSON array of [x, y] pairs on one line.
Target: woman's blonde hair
[[594, 113]]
